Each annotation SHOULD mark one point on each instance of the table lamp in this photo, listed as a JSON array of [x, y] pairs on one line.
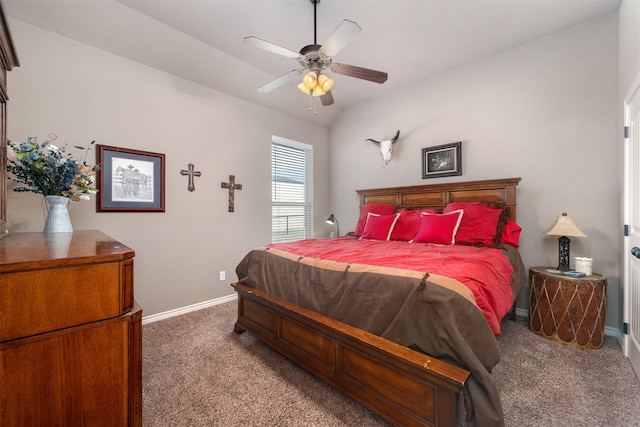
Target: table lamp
[[333, 220], [563, 227]]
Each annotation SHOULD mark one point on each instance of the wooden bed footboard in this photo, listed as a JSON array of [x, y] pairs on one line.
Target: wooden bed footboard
[[404, 386]]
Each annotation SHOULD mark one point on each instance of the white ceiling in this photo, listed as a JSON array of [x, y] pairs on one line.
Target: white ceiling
[[201, 41]]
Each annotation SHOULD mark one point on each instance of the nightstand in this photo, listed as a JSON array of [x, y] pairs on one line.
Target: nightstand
[[568, 310]]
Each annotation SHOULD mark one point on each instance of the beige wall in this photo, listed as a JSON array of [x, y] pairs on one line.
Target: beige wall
[[84, 94], [629, 45], [545, 111]]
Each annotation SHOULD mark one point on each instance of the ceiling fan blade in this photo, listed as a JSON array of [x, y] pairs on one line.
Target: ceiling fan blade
[[340, 37], [279, 81], [326, 99], [360, 73], [268, 46]]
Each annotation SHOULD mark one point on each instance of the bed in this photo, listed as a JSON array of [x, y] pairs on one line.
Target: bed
[[406, 378]]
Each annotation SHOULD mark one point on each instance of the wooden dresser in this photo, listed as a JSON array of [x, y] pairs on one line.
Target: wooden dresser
[[70, 331]]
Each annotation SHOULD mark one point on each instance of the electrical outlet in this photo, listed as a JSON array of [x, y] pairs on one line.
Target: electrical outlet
[[223, 275]]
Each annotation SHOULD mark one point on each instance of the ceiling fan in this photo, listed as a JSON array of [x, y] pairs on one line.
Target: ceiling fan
[[316, 58]]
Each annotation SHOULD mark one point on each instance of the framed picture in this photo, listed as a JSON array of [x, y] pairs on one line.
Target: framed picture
[[129, 180], [442, 160]]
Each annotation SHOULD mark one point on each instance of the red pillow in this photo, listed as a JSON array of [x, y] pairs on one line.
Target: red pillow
[[439, 228], [510, 233], [479, 224], [375, 208], [378, 227], [408, 223]]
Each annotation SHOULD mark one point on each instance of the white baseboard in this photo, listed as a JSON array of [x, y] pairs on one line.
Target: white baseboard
[[187, 309], [608, 330], [613, 332]]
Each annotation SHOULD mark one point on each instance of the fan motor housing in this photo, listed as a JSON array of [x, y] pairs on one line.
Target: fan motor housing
[[313, 58]]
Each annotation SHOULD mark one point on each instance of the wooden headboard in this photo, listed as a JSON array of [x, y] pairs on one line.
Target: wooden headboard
[[437, 196]]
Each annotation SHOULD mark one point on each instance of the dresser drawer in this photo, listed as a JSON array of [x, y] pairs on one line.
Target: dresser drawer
[[38, 301], [88, 375]]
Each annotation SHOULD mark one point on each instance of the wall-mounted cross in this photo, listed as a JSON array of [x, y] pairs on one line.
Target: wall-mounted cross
[[232, 186], [191, 174]]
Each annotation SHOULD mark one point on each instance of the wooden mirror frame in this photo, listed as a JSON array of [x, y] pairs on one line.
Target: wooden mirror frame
[[8, 60]]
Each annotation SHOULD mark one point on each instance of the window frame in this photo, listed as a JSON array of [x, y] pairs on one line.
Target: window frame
[[307, 204]]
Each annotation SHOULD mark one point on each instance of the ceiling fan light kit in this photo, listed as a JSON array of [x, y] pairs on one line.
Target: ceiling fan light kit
[[315, 85], [315, 58]]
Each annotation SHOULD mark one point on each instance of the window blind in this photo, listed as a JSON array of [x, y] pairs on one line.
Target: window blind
[[291, 191]]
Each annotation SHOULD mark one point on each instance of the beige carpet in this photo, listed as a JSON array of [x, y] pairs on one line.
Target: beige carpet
[[198, 372]]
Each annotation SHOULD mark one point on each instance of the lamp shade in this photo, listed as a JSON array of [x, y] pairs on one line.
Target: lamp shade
[[304, 89], [317, 91], [564, 226], [310, 80], [325, 82]]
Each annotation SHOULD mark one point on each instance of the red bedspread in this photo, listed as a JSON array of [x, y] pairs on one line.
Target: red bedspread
[[485, 271]]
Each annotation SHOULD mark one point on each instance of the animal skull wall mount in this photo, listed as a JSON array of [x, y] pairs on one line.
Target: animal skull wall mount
[[386, 147]]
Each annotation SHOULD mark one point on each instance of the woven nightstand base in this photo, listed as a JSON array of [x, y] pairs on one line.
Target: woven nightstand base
[[568, 310]]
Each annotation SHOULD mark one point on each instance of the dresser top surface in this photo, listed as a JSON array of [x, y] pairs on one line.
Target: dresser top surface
[[22, 250]]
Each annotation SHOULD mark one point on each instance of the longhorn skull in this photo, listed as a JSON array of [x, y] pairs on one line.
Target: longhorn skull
[[386, 147]]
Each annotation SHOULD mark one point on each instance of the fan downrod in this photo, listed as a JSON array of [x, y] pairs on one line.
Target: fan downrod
[[315, 20]]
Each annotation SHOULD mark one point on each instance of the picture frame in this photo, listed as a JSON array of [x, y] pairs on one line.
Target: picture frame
[[129, 180], [442, 160]]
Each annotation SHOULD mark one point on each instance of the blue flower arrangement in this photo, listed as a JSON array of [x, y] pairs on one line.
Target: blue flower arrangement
[[48, 170]]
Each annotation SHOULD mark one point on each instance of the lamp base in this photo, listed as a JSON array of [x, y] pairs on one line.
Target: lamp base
[[563, 253]]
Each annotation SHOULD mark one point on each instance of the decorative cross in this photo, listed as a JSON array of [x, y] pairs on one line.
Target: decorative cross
[[232, 186], [191, 173]]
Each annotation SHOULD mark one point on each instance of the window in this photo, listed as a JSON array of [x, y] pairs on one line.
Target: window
[[291, 190]]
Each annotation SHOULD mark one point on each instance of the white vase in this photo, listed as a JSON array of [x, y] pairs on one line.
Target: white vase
[[58, 220]]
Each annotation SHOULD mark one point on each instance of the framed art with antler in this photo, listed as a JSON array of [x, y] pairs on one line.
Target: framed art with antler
[[129, 180]]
